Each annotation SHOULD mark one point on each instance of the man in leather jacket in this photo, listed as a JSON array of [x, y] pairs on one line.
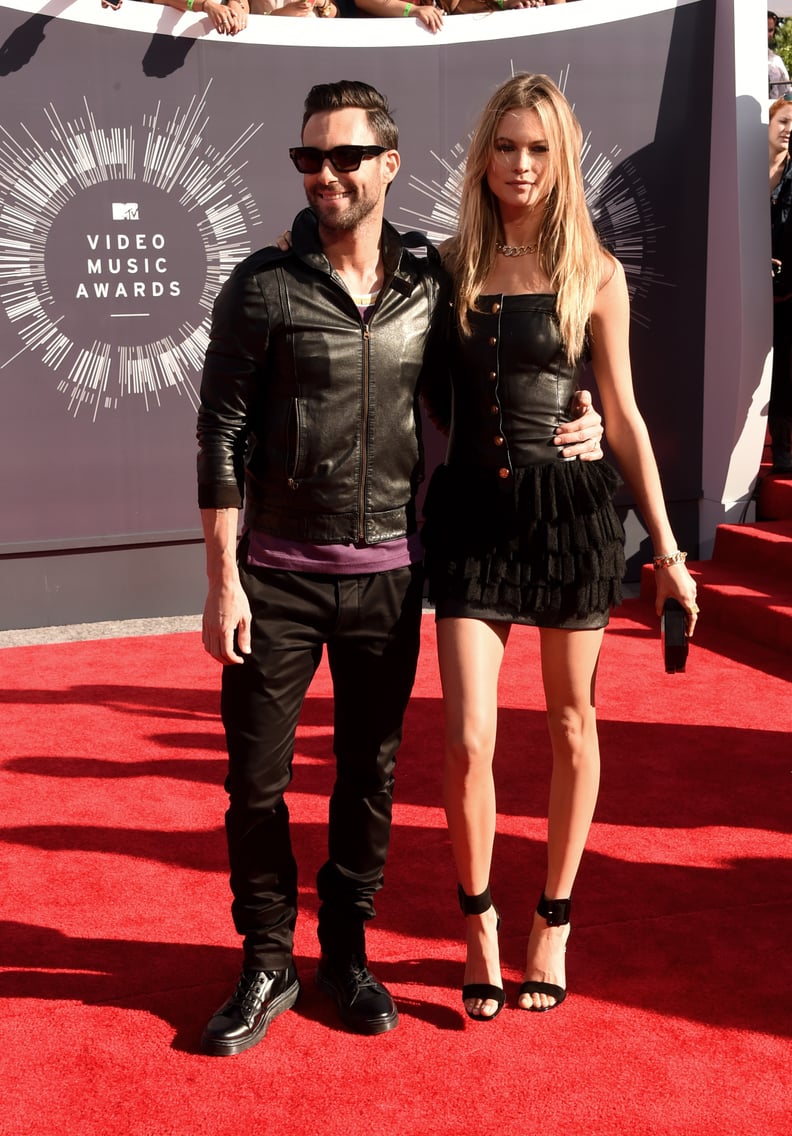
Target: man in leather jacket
[[309, 414]]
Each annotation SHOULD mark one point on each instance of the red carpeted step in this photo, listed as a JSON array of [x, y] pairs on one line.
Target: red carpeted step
[[774, 498], [746, 602], [766, 546]]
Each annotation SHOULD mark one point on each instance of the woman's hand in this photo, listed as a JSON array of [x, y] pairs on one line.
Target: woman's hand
[[224, 20], [675, 582], [241, 12], [430, 17]]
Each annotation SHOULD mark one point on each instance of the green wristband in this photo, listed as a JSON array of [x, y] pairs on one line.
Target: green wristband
[[407, 9], [190, 4]]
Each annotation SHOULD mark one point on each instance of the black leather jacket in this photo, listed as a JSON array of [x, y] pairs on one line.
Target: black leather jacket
[[307, 413]]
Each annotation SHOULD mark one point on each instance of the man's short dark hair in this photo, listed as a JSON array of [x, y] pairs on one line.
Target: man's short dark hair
[[348, 93]]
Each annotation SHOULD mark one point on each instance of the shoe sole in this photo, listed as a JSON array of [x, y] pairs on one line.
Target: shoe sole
[[369, 1029], [214, 1048]]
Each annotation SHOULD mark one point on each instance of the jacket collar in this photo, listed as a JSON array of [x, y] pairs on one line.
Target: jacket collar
[[306, 245]]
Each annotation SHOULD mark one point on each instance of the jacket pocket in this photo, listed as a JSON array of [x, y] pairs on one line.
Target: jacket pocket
[[294, 445]]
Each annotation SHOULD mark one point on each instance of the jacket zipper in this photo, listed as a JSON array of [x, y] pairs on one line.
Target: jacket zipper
[[364, 437], [365, 411]]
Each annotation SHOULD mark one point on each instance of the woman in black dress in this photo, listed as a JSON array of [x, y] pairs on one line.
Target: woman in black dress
[[515, 533]]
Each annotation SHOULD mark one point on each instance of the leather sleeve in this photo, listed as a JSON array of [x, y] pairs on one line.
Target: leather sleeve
[[435, 380], [233, 377]]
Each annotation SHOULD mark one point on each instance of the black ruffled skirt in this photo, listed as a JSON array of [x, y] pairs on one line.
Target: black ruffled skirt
[[544, 547]]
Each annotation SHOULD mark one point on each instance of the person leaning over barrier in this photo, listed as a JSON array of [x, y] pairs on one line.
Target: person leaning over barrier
[[226, 19], [321, 9], [423, 11]]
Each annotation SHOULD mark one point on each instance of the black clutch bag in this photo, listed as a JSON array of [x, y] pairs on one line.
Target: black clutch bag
[[672, 634]]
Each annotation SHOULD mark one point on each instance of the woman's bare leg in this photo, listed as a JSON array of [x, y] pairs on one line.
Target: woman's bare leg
[[470, 652], [569, 668]]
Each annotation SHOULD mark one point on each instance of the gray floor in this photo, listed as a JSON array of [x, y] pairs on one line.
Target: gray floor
[[110, 630], [121, 628]]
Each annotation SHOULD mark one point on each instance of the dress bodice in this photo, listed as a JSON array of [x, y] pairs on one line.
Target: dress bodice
[[512, 384]]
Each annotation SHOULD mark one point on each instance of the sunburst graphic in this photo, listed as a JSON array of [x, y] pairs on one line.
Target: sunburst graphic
[[618, 201], [113, 244]]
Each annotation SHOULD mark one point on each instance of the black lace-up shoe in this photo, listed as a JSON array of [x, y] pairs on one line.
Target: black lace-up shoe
[[245, 1018], [364, 1005]]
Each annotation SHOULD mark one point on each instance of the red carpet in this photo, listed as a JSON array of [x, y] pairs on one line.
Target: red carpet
[[746, 587], [116, 941]]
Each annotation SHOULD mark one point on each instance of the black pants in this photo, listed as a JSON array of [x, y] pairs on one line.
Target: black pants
[[779, 417], [370, 625], [781, 382]]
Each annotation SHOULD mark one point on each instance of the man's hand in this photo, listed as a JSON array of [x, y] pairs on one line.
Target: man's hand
[[226, 611], [581, 437]]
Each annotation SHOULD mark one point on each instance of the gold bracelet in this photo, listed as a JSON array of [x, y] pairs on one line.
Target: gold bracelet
[[676, 557]]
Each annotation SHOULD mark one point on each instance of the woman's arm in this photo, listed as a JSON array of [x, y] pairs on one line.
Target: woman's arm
[[421, 10], [471, 7], [629, 437], [321, 8]]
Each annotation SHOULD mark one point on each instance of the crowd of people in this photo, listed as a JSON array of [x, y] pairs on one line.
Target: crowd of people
[[777, 73], [229, 17]]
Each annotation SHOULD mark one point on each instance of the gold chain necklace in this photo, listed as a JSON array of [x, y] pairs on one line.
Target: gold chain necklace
[[515, 250]]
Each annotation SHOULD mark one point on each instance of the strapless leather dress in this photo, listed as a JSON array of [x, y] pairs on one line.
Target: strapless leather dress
[[512, 531]]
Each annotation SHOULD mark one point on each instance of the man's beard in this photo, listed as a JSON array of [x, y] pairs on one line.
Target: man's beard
[[348, 219]]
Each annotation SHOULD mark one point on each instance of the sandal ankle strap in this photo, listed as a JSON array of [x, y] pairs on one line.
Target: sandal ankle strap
[[474, 904], [555, 912]]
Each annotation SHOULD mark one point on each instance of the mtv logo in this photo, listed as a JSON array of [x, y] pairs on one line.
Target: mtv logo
[[126, 211]]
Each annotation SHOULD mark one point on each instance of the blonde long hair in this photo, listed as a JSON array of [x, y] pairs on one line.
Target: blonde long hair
[[570, 253]]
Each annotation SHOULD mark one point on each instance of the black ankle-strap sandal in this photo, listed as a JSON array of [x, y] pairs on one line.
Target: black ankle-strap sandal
[[477, 905], [556, 913]]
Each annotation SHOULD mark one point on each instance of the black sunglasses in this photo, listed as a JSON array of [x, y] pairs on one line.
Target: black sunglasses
[[344, 159]]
